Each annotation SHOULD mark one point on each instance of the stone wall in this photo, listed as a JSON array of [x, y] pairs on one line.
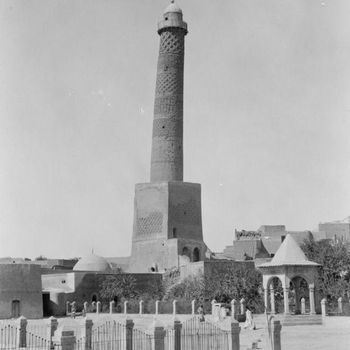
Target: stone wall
[[212, 266], [82, 286], [20, 291]]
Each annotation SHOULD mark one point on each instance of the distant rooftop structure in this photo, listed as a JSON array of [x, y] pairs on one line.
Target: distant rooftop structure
[[338, 229], [246, 250]]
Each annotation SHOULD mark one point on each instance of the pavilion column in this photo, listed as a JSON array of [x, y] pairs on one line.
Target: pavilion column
[[312, 300], [297, 297], [286, 300], [266, 299], [272, 299]]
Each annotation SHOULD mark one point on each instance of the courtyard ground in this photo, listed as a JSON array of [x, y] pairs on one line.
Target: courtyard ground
[[333, 334]]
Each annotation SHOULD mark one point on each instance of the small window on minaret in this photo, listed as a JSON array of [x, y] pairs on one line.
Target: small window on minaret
[[166, 18], [163, 127], [174, 232]]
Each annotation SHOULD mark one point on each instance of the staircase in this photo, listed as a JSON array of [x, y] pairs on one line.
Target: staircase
[[299, 320]]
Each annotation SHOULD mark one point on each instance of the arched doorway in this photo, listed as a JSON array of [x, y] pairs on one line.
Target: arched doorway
[[196, 254], [186, 252]]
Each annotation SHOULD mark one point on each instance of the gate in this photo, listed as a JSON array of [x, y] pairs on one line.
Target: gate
[[203, 335]]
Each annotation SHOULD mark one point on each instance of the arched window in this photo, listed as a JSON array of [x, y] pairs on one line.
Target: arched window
[[94, 298], [15, 309], [196, 255]]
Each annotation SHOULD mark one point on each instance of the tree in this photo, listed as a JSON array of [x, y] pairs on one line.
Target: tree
[[120, 286], [236, 282], [222, 284], [41, 258], [334, 274]]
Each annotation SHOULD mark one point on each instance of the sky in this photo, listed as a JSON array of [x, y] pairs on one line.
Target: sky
[[266, 118]]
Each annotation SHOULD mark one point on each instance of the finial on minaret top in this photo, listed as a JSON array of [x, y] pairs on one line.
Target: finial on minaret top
[[173, 7]]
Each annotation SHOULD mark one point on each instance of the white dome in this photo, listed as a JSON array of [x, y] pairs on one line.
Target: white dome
[[173, 8], [92, 262]]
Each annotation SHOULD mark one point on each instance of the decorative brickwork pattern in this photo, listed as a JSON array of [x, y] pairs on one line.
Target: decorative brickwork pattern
[[172, 41], [150, 224], [169, 106], [168, 83], [167, 150]]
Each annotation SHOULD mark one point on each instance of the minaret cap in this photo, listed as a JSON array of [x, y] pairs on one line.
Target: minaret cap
[[173, 7], [172, 18]]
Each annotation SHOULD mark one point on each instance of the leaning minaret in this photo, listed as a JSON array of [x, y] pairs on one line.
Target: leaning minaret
[[167, 138], [167, 229]]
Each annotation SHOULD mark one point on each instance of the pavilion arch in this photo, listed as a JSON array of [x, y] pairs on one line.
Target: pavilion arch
[[273, 289], [309, 280], [270, 279], [300, 288]]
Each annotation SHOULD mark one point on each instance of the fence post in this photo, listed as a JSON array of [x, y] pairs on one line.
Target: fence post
[[193, 306], [276, 334], [242, 302], [22, 332], [52, 326], [98, 307], [234, 309], [235, 330], [67, 307], [303, 306], [213, 302], [324, 307], [87, 333], [157, 307], [177, 335], [141, 307], [129, 325], [86, 306], [340, 305], [125, 307], [111, 306], [73, 308], [158, 336], [174, 307], [68, 340]]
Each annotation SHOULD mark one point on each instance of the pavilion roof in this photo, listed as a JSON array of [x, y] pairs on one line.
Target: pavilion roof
[[289, 253]]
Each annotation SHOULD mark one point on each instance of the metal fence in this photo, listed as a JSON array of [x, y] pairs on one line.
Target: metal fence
[[8, 337], [203, 335], [192, 334]]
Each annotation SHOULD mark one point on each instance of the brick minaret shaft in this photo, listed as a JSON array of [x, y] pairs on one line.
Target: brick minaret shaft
[[167, 137]]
